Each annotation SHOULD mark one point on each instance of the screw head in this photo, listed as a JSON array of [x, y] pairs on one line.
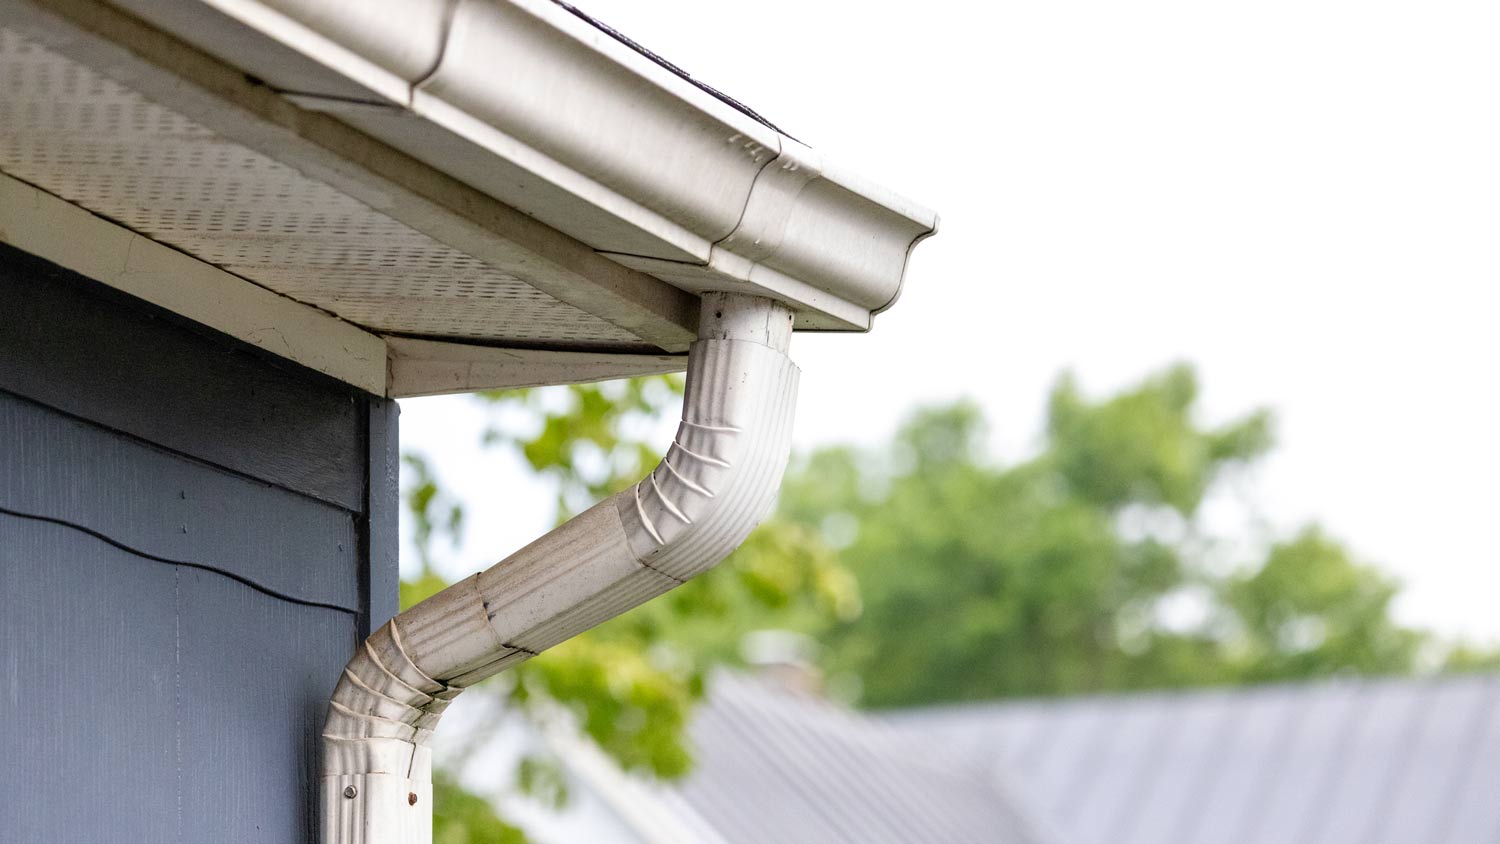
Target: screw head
[[350, 791]]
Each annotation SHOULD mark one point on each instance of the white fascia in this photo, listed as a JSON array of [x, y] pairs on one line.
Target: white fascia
[[716, 482], [548, 114]]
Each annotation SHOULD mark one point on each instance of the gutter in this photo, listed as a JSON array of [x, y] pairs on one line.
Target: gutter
[[560, 118], [716, 482]]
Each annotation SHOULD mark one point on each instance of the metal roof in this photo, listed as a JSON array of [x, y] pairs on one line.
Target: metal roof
[[773, 764], [1342, 762], [1334, 762]]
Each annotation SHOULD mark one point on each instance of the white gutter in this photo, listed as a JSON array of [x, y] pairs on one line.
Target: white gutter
[[715, 484], [547, 113]]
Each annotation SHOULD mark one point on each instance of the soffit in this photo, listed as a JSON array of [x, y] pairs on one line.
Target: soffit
[[80, 135]]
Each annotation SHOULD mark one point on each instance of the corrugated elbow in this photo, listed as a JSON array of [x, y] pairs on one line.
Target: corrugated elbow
[[717, 481]]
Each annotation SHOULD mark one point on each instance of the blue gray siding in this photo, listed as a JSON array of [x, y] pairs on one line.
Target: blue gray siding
[[193, 538]]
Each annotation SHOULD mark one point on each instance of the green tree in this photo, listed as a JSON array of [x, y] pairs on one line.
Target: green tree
[[1055, 575], [1310, 610]]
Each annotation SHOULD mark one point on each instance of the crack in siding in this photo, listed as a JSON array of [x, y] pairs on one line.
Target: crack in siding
[[145, 555]]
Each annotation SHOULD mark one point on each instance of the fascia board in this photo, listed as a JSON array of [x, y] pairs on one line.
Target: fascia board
[[431, 368], [598, 141]]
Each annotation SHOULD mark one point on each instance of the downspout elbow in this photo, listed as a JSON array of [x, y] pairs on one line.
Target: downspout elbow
[[717, 481]]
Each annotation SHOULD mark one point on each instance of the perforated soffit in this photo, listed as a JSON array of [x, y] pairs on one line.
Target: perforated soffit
[[84, 137]]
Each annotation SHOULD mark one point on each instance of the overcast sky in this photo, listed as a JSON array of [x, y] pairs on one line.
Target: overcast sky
[[1301, 198]]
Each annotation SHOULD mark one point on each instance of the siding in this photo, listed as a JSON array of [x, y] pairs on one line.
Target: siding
[[193, 538]]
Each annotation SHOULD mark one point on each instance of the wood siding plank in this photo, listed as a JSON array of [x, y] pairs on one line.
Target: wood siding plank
[[139, 370], [166, 703], [256, 675], [88, 684], [160, 504]]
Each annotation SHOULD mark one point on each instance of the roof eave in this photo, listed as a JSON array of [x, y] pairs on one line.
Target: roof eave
[[586, 135]]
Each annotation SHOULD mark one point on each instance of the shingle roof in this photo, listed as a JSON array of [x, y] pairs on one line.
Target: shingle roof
[[1362, 762], [779, 766]]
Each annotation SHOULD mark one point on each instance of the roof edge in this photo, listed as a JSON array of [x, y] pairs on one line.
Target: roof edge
[[56, 230], [593, 137]]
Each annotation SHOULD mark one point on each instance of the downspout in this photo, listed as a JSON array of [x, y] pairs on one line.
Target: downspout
[[715, 484]]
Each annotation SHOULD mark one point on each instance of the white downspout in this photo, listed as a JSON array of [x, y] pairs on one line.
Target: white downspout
[[715, 484]]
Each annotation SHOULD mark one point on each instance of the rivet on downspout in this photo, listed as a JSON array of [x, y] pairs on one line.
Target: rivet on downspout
[[716, 482]]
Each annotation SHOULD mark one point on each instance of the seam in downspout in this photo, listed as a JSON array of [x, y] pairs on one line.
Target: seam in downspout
[[716, 482]]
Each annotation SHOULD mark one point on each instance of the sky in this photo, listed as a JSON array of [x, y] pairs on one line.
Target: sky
[[1300, 198]]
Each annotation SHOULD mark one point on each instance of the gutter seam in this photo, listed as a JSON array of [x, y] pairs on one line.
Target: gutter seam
[[450, 8]]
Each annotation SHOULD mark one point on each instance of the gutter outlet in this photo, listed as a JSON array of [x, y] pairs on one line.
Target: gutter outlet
[[717, 481]]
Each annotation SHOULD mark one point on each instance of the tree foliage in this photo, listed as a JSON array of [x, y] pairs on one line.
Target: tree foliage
[[1060, 574], [1310, 610], [460, 817]]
